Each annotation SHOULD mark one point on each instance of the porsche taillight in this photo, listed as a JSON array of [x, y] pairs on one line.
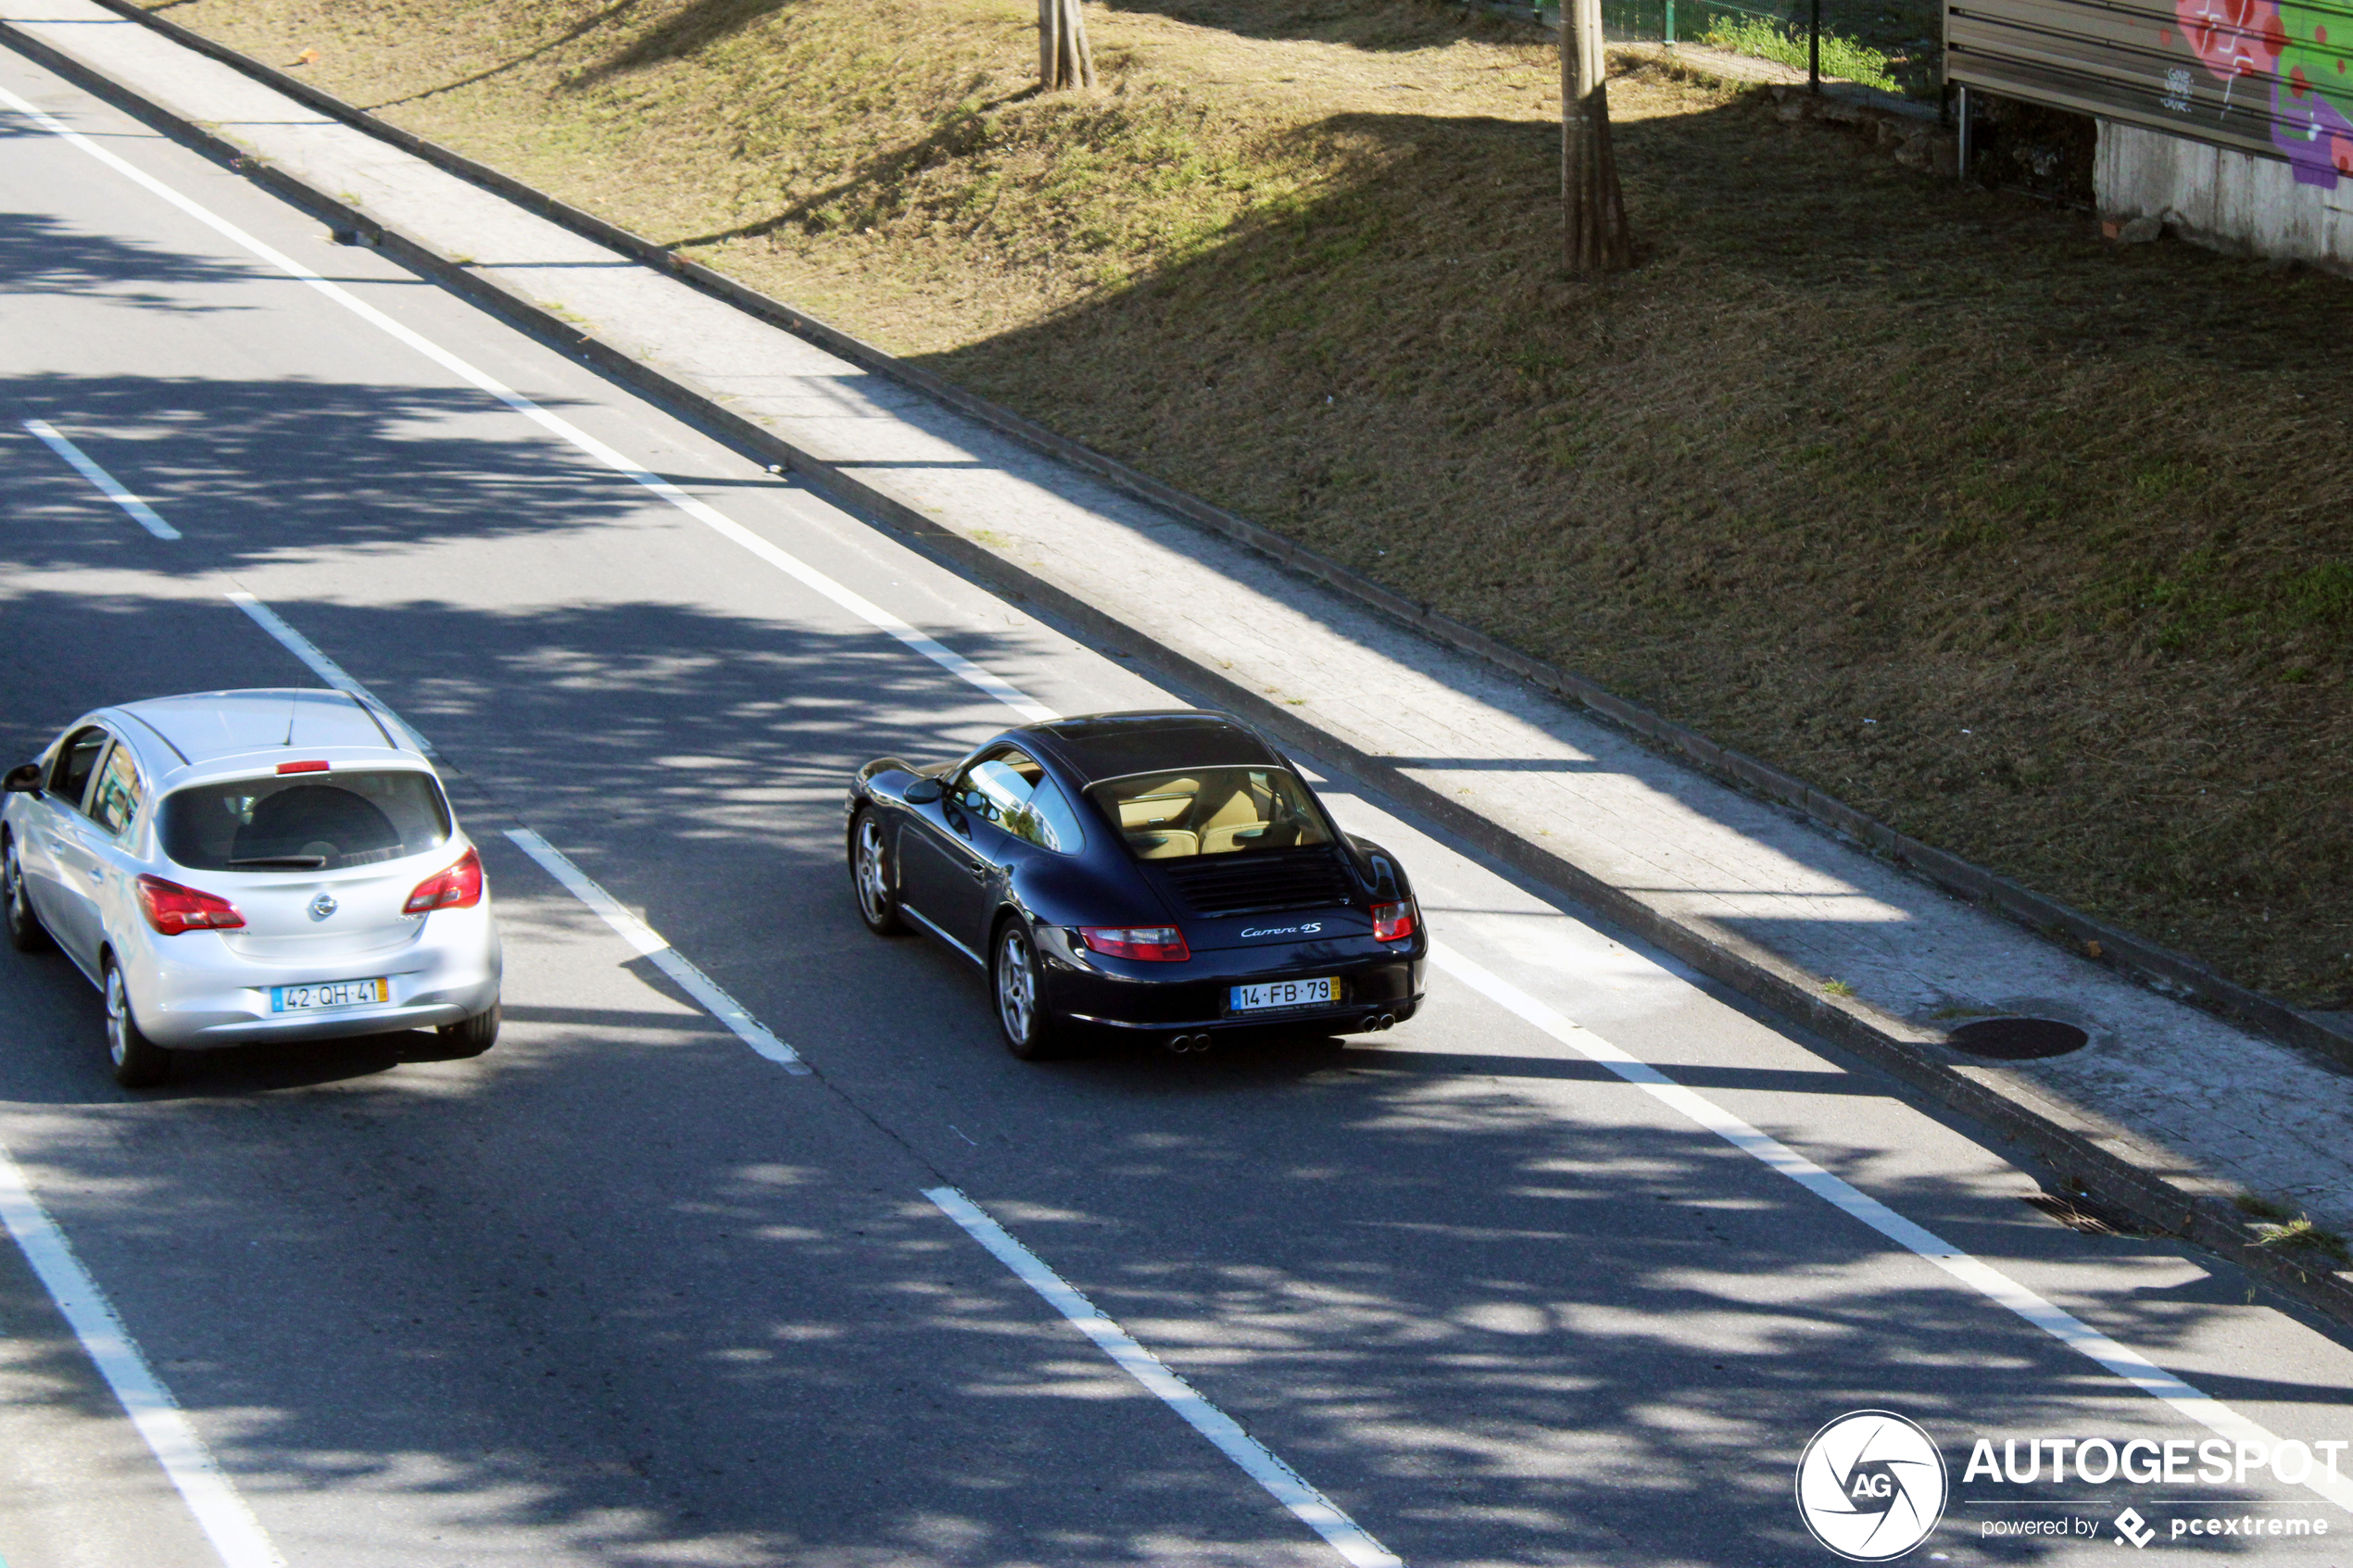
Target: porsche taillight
[[1157, 944]]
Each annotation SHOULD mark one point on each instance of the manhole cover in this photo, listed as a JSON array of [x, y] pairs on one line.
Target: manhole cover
[[2018, 1039]]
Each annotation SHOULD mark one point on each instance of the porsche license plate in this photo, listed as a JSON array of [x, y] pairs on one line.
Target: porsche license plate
[[329, 993], [1277, 994]]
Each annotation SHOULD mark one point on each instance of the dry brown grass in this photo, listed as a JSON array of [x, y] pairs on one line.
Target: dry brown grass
[[2037, 549]]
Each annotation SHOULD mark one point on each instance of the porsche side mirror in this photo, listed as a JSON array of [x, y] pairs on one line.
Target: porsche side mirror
[[922, 792], [24, 779]]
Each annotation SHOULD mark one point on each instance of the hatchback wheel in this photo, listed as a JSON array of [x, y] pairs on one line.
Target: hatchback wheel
[[473, 1035], [139, 1062], [25, 934], [1030, 1031], [870, 874]]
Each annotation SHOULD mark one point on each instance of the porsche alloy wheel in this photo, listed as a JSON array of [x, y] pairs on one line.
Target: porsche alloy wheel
[[870, 872], [1021, 1014]]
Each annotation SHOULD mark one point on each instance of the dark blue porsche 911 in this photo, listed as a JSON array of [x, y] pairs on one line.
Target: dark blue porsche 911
[[1166, 873]]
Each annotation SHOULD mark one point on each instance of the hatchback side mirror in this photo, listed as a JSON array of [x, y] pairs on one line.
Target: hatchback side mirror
[[24, 779], [922, 792]]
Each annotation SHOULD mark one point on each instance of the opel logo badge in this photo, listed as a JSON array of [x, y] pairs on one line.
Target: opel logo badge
[[322, 906]]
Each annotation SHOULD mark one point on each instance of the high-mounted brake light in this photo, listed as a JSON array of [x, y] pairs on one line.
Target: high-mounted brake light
[[176, 910], [460, 888], [1394, 922], [303, 767], [1159, 944]]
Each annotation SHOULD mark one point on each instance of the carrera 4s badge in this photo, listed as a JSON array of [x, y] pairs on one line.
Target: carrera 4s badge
[[1310, 929]]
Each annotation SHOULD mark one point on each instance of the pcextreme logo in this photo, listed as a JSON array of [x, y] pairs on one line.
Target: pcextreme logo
[[1871, 1485]]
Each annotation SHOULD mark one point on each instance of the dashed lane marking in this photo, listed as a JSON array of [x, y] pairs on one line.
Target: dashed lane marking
[[1285, 1486], [104, 483]]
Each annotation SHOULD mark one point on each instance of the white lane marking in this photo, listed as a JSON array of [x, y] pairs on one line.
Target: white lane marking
[[856, 605], [104, 483], [326, 669], [696, 983], [2060, 1324], [227, 1522], [667, 958], [1258, 1462]]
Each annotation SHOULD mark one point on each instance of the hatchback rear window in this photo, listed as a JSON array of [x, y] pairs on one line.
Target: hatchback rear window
[[1211, 811], [307, 823]]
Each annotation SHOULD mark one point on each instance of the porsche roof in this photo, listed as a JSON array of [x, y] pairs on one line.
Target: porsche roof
[[1107, 746]]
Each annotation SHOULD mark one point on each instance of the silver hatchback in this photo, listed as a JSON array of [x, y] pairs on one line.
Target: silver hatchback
[[232, 867]]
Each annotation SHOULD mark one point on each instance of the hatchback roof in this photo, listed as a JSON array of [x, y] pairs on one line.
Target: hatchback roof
[[1106, 745], [203, 726]]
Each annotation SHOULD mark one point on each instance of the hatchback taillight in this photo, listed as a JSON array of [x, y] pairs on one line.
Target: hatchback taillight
[[460, 888], [175, 911], [1394, 922], [1161, 944]]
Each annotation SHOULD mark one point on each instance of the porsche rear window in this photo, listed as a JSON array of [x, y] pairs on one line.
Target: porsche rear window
[[304, 823], [1211, 811]]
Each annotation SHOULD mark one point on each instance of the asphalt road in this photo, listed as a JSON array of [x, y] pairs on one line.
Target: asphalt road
[[622, 1292]]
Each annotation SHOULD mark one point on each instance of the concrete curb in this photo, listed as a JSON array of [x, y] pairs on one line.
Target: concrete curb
[[2100, 1163]]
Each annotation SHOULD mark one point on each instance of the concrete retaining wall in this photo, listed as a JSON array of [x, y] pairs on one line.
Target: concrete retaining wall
[[2229, 201]]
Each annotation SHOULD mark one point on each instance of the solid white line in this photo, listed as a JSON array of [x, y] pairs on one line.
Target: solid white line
[[326, 669], [141, 513], [227, 1522], [667, 958], [1259, 1463], [1990, 1282], [866, 611]]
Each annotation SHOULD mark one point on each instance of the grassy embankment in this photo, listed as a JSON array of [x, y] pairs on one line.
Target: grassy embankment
[[2040, 550]]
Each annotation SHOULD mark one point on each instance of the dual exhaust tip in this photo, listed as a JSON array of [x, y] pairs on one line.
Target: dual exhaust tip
[[1187, 1045]]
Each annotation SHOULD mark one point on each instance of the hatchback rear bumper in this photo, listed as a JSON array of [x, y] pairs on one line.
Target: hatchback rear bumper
[[190, 993]]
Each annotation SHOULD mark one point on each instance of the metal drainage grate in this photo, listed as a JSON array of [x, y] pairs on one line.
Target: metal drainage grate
[[2018, 1039], [2078, 1212]]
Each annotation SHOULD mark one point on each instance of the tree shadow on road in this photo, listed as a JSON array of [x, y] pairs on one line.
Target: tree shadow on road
[[624, 1285]]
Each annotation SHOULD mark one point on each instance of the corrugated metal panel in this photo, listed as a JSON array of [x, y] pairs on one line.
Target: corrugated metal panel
[[2271, 77]]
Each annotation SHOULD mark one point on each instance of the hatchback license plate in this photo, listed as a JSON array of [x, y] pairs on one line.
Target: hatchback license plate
[[329, 993], [1320, 992]]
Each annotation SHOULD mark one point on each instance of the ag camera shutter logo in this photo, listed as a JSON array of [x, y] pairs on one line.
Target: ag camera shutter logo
[[1871, 1485]]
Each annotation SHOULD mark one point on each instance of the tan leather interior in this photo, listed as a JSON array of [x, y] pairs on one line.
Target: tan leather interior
[[1164, 844], [1243, 815], [1217, 811], [1168, 804]]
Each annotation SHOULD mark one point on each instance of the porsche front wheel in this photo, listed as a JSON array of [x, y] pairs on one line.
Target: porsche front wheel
[[870, 874]]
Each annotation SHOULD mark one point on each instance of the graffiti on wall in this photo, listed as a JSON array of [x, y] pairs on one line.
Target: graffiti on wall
[[2279, 50]]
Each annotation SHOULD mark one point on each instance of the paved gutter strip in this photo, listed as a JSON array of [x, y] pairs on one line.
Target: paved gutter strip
[[2169, 972], [2110, 1161]]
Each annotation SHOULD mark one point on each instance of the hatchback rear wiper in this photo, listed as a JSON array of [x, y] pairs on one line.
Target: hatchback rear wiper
[[300, 863]]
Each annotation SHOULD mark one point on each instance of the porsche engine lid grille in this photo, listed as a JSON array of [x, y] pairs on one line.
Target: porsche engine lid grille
[[1239, 884]]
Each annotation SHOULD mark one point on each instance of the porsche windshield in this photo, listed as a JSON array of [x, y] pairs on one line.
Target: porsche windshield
[[1212, 811]]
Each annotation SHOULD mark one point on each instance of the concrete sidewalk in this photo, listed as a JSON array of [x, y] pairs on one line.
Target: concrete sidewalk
[[2166, 1114]]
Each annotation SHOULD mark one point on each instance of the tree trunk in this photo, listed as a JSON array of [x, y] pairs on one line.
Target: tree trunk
[[1063, 59], [1593, 208]]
